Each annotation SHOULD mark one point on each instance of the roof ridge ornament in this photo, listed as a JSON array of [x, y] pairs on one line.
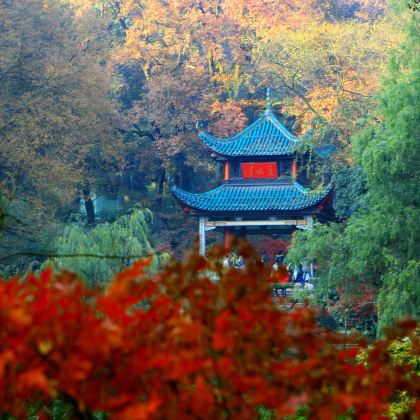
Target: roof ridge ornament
[[268, 104]]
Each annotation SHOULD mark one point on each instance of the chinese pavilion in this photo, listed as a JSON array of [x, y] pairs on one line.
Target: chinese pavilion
[[261, 192]]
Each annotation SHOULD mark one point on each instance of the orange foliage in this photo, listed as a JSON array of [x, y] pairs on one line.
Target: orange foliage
[[211, 60], [193, 348], [322, 99], [230, 119], [196, 57]]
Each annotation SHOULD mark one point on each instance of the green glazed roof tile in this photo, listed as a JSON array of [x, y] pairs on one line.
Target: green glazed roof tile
[[265, 137], [239, 197]]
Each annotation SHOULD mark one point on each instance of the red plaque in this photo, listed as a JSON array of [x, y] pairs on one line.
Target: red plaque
[[259, 170]]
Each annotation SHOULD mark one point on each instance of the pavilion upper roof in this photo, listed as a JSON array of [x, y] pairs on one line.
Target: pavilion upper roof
[[251, 198], [265, 137]]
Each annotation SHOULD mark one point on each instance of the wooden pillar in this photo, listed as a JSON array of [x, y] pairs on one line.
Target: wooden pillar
[[202, 236], [294, 168], [310, 221], [226, 241], [227, 171]]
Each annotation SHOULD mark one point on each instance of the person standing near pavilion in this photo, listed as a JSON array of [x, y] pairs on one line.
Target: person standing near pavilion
[[264, 257], [279, 257], [308, 285], [300, 275], [283, 278], [306, 267]]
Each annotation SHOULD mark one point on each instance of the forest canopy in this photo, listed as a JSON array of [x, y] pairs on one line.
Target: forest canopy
[[105, 95], [101, 101], [108, 308]]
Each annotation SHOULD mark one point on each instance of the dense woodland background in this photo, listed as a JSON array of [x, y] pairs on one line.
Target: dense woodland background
[[99, 104]]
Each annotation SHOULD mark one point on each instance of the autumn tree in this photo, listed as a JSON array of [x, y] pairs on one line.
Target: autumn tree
[[336, 10], [56, 112], [378, 246], [209, 63], [321, 70], [327, 74], [184, 65]]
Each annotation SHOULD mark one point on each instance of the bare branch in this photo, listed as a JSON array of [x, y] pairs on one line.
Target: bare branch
[[138, 132], [55, 255]]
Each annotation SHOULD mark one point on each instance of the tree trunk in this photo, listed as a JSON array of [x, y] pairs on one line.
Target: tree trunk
[[90, 209], [160, 184]]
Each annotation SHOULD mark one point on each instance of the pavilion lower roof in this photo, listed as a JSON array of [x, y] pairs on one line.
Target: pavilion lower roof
[[265, 137], [231, 197]]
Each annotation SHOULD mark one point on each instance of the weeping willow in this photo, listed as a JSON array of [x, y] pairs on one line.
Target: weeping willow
[[129, 236]]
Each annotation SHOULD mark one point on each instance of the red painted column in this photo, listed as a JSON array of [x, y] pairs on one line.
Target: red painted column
[[294, 168], [226, 241], [227, 170]]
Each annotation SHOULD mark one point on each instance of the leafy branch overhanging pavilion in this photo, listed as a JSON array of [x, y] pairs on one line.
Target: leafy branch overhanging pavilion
[[261, 192]]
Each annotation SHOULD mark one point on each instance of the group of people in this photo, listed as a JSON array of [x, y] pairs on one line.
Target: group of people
[[300, 274], [282, 274], [278, 259], [234, 260]]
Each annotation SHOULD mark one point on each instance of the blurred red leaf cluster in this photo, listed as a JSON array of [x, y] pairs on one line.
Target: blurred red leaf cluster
[[198, 340]]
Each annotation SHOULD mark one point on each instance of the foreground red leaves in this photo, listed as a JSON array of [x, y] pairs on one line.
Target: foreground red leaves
[[180, 346]]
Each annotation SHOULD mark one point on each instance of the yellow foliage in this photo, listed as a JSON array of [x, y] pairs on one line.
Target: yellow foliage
[[55, 103]]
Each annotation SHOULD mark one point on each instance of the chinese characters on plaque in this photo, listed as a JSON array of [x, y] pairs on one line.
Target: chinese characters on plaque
[[259, 170]]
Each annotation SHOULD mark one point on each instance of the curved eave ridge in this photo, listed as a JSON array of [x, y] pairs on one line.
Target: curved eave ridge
[[252, 198], [266, 136]]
